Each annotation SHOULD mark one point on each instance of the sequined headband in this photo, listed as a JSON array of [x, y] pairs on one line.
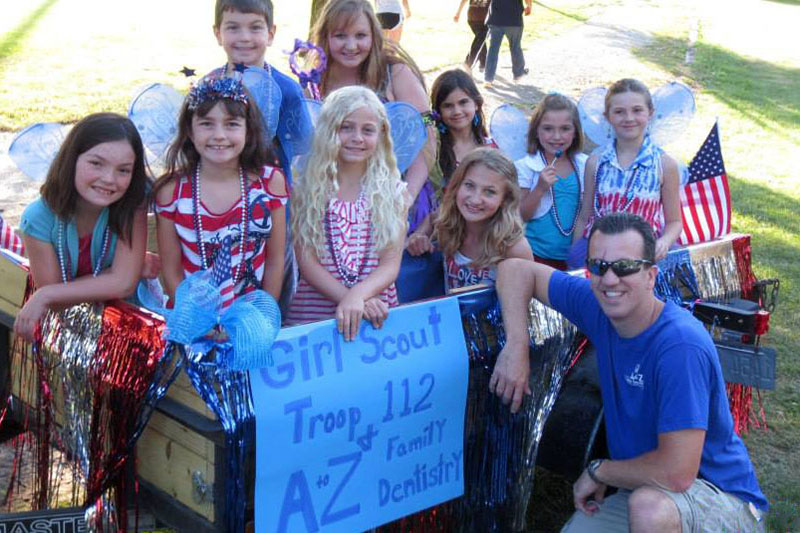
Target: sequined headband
[[213, 88]]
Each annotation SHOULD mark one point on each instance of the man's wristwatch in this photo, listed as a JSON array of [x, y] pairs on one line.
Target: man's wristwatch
[[591, 469]]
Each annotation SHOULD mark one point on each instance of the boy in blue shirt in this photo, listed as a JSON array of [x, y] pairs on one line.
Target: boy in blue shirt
[[245, 29]]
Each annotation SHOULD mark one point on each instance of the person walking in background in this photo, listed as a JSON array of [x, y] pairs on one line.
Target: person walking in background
[[391, 14], [476, 18], [505, 19]]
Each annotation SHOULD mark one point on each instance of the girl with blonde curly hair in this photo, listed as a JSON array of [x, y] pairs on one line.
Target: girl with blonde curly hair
[[479, 223], [348, 216], [350, 35]]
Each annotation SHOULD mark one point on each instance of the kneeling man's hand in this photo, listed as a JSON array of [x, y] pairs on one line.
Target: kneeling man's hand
[[587, 494]]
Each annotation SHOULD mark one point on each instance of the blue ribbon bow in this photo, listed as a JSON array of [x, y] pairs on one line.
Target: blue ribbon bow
[[242, 334]]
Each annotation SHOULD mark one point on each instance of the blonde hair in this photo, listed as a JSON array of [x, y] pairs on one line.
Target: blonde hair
[[338, 14], [504, 228], [319, 182]]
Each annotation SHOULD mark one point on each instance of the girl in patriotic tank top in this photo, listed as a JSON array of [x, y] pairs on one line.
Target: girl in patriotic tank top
[[631, 174], [221, 193], [348, 216], [479, 223]]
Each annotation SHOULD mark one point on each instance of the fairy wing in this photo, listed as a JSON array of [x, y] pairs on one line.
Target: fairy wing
[[299, 161], [314, 107], [674, 109], [408, 132], [591, 109], [154, 112], [35, 147], [267, 95], [509, 129]]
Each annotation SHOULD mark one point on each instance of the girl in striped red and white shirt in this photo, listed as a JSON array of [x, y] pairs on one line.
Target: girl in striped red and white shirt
[[348, 216], [221, 193]]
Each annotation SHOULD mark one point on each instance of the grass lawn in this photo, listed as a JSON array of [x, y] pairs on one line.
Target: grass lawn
[[113, 48], [746, 72]]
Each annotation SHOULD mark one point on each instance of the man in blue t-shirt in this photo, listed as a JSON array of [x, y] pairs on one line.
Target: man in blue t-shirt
[[675, 458]]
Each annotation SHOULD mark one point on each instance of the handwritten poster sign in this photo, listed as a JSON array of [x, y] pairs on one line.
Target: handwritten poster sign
[[351, 435]]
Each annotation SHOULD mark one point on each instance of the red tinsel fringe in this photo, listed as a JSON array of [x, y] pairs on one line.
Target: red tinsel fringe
[[128, 352], [740, 397], [743, 254]]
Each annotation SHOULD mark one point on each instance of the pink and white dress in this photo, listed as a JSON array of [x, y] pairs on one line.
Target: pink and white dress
[[349, 256]]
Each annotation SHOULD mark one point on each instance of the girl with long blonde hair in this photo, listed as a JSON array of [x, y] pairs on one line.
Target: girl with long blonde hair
[[358, 54], [349, 216], [479, 223]]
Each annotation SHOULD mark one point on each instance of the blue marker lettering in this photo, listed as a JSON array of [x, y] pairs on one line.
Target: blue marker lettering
[[297, 406], [297, 499], [328, 516], [433, 319], [286, 369]]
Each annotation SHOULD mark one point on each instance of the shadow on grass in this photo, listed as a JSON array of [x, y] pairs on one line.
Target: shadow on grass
[[767, 205], [11, 41], [509, 92], [763, 92]]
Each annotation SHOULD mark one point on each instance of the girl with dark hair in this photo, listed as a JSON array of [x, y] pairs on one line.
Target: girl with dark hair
[[458, 108], [85, 236], [221, 193]]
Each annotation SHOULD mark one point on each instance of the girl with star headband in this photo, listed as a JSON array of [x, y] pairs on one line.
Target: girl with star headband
[[85, 236], [222, 198], [348, 216]]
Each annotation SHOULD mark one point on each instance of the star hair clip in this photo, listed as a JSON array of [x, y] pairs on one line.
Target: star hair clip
[[213, 88]]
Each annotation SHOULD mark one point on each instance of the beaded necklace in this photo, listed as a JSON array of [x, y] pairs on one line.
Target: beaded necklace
[[635, 177], [554, 210], [198, 222], [348, 278], [64, 262]]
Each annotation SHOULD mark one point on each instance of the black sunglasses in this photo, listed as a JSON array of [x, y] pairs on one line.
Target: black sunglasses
[[621, 267]]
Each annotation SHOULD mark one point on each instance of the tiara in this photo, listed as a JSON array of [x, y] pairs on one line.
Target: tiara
[[213, 88]]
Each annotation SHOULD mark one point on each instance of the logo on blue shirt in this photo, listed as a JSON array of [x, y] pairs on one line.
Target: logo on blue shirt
[[635, 379]]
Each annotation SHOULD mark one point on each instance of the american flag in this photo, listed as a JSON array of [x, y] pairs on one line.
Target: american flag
[[221, 272], [9, 240], [706, 199]]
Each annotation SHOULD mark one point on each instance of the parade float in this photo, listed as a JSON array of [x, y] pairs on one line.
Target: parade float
[[113, 411]]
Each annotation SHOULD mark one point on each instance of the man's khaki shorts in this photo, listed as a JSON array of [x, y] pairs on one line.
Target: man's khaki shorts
[[703, 507]]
